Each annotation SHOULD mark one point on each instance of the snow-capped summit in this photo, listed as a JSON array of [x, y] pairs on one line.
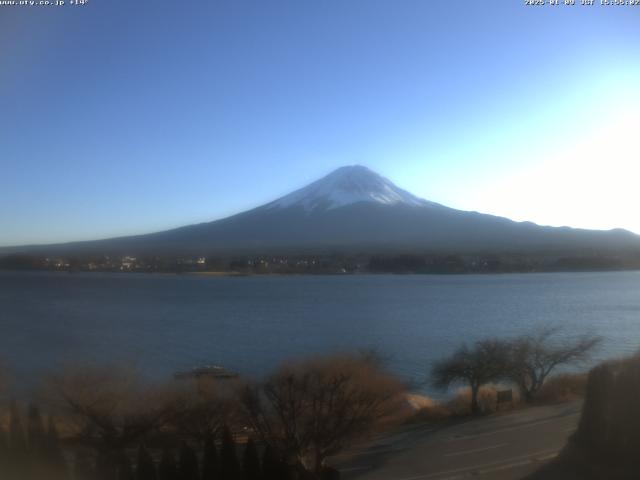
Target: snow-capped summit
[[346, 186]]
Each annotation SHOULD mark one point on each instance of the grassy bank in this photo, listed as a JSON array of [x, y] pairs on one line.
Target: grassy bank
[[560, 388]]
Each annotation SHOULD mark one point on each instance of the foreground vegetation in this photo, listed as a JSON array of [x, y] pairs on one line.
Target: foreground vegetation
[[526, 362], [107, 424], [115, 427]]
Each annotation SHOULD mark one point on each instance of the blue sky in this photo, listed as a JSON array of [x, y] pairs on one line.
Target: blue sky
[[125, 117]]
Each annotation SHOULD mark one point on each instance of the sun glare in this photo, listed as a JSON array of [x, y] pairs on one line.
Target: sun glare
[[590, 182]]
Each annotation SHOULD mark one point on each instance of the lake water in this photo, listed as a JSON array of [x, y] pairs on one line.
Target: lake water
[[164, 323]]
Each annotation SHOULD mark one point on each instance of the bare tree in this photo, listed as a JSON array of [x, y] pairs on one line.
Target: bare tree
[[204, 407], [484, 363], [533, 357], [109, 408], [311, 410]]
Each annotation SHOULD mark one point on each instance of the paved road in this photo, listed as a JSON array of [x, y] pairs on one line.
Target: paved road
[[500, 447]]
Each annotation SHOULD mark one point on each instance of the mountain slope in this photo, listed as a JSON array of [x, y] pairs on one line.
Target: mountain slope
[[356, 209]]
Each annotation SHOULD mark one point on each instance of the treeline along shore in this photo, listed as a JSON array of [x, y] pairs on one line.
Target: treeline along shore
[[328, 263], [107, 423]]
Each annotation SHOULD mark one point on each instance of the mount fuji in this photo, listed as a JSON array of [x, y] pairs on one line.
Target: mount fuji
[[353, 209]]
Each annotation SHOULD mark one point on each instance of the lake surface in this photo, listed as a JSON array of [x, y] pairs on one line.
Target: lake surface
[[165, 323]]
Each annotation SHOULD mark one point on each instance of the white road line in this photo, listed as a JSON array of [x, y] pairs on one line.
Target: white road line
[[508, 429], [353, 469], [488, 467], [520, 463], [378, 452], [476, 450]]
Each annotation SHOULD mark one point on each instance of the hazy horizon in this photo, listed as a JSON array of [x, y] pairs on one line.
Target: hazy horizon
[[124, 119]]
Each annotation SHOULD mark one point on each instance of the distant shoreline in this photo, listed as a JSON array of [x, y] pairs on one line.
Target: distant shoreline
[[235, 274], [214, 274], [332, 263]]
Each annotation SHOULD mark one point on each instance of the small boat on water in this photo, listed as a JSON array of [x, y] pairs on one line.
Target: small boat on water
[[207, 371]]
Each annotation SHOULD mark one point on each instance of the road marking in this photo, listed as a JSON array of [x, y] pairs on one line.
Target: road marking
[[488, 467], [378, 452], [353, 469], [509, 429], [521, 463], [476, 450]]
